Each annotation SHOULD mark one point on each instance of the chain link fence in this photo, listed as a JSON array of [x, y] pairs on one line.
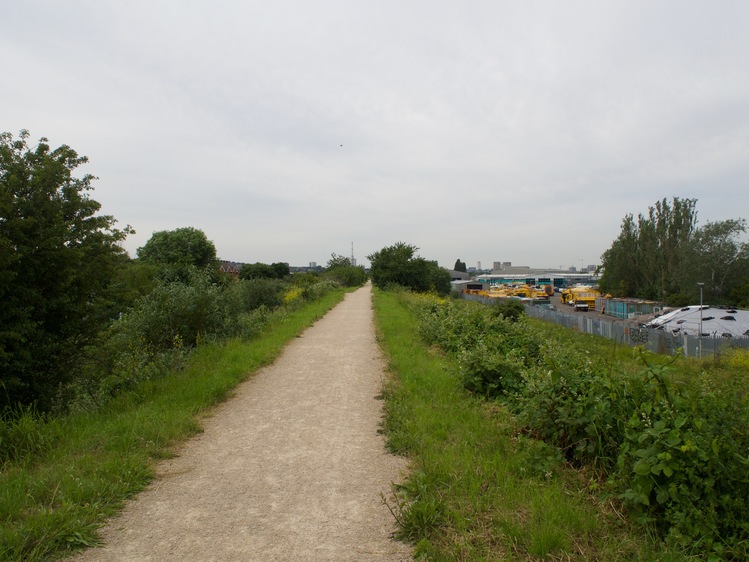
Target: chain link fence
[[632, 334]]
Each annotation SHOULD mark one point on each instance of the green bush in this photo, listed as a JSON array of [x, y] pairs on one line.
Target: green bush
[[318, 290], [347, 275], [490, 374], [673, 448], [570, 402], [511, 309], [251, 294], [176, 314]]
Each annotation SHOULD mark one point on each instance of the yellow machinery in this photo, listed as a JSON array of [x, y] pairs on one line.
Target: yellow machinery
[[523, 291], [497, 292], [582, 297]]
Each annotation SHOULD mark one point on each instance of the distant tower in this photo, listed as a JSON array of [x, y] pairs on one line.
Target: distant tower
[[353, 259], [478, 265]]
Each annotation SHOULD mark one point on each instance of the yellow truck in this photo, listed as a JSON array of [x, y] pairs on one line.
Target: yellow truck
[[581, 297]]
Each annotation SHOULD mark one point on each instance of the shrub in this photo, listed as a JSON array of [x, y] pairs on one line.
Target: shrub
[[673, 448], [251, 294], [490, 374], [511, 309], [176, 314], [569, 402]]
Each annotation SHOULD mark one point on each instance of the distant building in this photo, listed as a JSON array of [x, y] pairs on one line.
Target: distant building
[[497, 266], [312, 264], [478, 265], [230, 267]]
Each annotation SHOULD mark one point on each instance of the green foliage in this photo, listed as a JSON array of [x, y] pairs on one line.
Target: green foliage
[[664, 255], [352, 276], [57, 258], [253, 293], [62, 477], [683, 464], [133, 281], [337, 260], [264, 271], [646, 259], [181, 248], [672, 447], [22, 435], [511, 309], [478, 489], [460, 266], [176, 314], [340, 270], [399, 265]]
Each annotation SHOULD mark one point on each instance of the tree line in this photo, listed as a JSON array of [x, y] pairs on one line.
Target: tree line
[[664, 255], [80, 319]]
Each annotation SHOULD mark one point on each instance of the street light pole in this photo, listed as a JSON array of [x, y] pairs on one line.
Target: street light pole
[[700, 284]]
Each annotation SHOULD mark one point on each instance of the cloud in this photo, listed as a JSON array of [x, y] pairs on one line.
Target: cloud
[[489, 131]]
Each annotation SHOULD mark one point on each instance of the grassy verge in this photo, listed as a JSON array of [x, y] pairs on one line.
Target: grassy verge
[[84, 466], [478, 489]]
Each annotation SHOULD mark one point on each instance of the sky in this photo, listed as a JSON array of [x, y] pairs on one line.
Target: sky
[[483, 131]]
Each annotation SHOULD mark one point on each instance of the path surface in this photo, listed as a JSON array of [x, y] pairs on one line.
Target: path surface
[[291, 468]]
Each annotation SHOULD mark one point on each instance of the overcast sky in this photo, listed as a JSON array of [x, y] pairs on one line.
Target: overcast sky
[[479, 130]]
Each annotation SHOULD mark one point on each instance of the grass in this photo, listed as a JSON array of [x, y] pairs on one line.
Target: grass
[[479, 489], [54, 498]]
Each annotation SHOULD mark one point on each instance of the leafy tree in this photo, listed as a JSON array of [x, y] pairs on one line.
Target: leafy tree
[[133, 281], [399, 265], [393, 265], [57, 259], [460, 266], [647, 258], [621, 276], [281, 270], [338, 261], [182, 247], [339, 269], [740, 293], [438, 278], [719, 259], [663, 255], [259, 270]]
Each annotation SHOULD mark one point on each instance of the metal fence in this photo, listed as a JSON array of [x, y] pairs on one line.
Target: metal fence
[[657, 341]]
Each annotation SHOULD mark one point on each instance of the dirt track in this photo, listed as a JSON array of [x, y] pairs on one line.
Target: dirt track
[[291, 468]]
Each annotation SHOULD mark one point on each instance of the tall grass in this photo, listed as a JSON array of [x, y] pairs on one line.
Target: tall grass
[[479, 489], [63, 477]]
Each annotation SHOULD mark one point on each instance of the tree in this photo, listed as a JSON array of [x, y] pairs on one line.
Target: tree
[[339, 269], [182, 247], [460, 266], [338, 261], [281, 269], [719, 259], [399, 265], [259, 270], [57, 259], [664, 255], [647, 259]]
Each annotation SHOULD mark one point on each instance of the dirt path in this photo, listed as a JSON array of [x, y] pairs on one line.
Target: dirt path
[[291, 468]]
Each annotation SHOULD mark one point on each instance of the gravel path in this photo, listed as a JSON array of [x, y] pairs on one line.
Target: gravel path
[[291, 468]]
